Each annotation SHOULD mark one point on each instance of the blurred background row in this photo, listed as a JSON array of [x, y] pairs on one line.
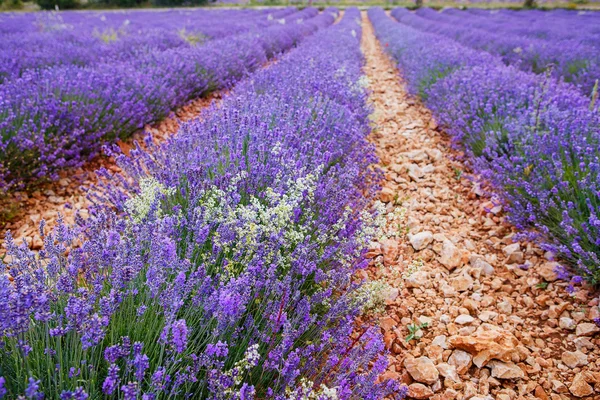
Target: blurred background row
[[35, 5]]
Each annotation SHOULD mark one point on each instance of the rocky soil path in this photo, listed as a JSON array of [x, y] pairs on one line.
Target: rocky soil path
[[470, 314], [21, 212]]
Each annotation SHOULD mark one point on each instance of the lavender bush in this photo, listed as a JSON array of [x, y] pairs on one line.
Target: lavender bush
[[229, 274], [87, 38], [58, 117], [534, 138], [573, 60], [556, 25]]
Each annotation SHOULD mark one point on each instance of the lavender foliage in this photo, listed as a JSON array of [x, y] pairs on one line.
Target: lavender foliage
[[42, 40], [228, 272], [572, 58], [58, 117], [535, 139]]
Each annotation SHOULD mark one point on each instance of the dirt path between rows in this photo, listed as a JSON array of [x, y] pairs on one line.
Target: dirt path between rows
[[488, 318]]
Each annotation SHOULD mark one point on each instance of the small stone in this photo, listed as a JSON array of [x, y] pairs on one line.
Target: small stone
[[587, 329], [546, 271], [389, 248], [417, 155], [579, 387], [422, 369], [567, 323], [487, 315], [483, 265], [435, 153], [450, 256], [470, 390], [387, 195], [435, 353], [391, 294], [464, 319], [487, 344], [415, 172], [56, 200], [540, 393], [417, 280], [447, 290], [583, 343], [461, 283], [437, 386], [461, 360], [440, 341], [449, 394], [511, 248], [428, 169], [559, 387], [574, 359], [505, 370], [445, 319], [38, 243], [420, 240], [448, 371], [505, 307], [388, 323], [419, 391], [471, 305], [516, 258]]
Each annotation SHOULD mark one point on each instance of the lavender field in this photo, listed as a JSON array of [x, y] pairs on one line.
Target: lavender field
[[294, 204]]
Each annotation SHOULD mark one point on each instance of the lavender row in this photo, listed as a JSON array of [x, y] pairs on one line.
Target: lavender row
[[57, 118], [571, 60], [86, 22], [536, 140], [95, 40], [229, 275], [556, 25]]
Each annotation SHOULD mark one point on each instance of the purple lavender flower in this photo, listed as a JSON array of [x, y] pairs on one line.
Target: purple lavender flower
[[112, 353], [216, 350], [141, 363], [32, 391], [141, 310], [179, 331], [577, 280], [3, 389], [111, 382], [78, 394], [130, 391], [159, 377], [74, 372]]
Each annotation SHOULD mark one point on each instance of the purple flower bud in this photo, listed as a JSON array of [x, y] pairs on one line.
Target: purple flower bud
[[179, 331], [111, 382], [3, 389], [32, 389], [130, 391]]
